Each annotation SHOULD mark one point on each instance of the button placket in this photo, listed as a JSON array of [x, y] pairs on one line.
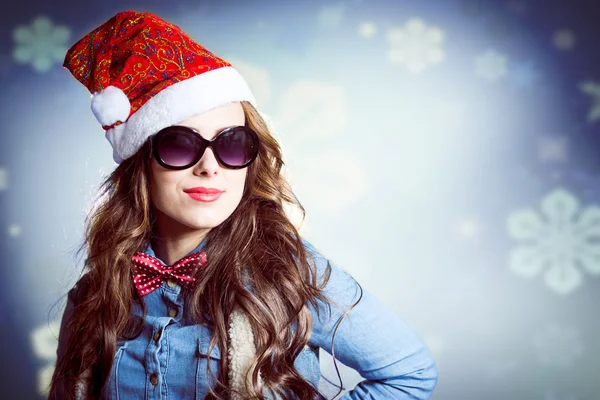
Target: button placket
[[173, 300]]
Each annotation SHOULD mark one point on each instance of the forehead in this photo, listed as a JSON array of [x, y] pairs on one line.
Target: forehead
[[211, 122]]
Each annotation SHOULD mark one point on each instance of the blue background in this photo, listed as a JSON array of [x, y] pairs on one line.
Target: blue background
[[446, 152]]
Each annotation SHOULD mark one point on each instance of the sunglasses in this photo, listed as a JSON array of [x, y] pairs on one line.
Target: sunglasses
[[180, 147]]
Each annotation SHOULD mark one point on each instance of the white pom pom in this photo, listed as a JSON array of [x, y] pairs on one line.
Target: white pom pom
[[111, 105]]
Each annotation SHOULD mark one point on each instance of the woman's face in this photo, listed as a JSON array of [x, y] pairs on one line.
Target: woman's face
[[175, 210]]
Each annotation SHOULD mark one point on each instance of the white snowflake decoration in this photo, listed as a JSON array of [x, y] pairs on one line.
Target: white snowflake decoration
[[44, 341], [341, 179], [491, 65], [3, 178], [14, 230], [416, 45], [558, 346], [562, 243], [564, 39], [593, 89], [367, 29], [42, 44], [314, 112], [44, 379]]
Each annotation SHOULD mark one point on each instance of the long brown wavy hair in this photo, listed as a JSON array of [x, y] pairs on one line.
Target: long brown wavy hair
[[258, 235]]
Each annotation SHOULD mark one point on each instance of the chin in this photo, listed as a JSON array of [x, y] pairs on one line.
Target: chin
[[205, 223]]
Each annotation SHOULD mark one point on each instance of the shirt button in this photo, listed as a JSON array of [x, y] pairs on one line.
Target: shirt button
[[156, 336], [171, 282], [154, 379], [173, 312]]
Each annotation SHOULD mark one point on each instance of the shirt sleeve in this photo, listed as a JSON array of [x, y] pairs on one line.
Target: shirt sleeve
[[372, 339], [64, 334]]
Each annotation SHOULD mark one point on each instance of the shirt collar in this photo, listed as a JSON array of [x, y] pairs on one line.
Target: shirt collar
[[150, 251]]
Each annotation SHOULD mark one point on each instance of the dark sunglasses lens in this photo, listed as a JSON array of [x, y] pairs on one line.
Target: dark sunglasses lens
[[178, 147], [236, 147]]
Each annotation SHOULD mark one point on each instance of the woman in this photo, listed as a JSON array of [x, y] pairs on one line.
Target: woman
[[197, 285]]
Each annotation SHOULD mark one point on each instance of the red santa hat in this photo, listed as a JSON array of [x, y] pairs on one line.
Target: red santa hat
[[145, 74]]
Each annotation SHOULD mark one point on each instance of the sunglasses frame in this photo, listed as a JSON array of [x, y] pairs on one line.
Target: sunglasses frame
[[204, 144]]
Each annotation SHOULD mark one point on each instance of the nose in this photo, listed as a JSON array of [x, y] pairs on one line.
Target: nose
[[208, 163]]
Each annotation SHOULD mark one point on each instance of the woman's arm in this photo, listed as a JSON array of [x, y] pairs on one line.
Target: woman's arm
[[372, 339], [59, 389], [64, 334]]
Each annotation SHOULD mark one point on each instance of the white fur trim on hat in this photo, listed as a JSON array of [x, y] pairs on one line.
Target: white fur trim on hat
[[111, 105], [177, 103], [115, 136]]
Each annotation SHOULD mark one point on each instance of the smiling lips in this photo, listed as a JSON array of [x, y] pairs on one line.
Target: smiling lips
[[203, 194]]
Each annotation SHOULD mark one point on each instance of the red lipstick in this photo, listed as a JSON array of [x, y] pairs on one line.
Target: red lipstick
[[203, 194]]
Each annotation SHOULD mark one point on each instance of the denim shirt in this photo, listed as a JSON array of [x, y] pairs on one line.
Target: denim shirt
[[169, 359]]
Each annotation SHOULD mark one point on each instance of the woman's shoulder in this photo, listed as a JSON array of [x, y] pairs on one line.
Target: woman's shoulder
[[337, 274], [310, 248], [81, 286]]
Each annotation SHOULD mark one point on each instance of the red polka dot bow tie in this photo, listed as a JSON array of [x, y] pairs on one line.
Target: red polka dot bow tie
[[149, 272]]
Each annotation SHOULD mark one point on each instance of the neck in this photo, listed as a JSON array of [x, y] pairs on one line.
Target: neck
[[173, 241]]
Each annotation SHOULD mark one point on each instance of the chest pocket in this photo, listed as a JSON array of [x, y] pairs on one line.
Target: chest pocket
[[204, 379]]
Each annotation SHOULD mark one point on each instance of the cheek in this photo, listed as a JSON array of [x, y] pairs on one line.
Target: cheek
[[239, 179], [162, 187]]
